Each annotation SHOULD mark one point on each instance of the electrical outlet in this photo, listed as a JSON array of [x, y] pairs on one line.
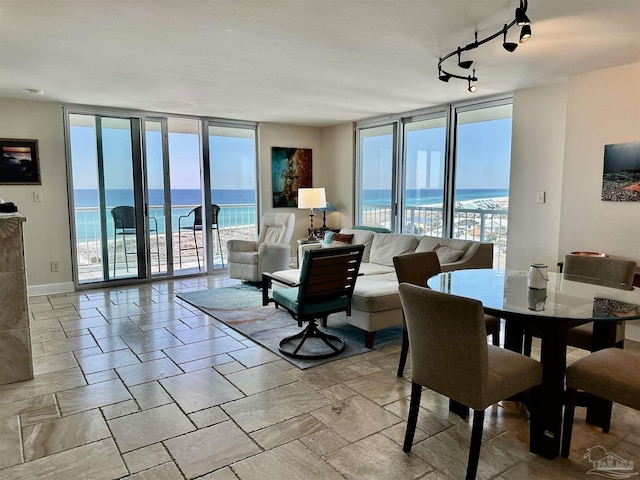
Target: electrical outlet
[[540, 197], [37, 197], [55, 266]]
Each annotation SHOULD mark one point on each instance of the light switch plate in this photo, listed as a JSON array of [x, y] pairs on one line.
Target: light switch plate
[[540, 197]]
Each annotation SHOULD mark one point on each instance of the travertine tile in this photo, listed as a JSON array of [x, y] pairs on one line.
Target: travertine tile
[[228, 367], [324, 441], [207, 348], [287, 431], [253, 356], [106, 361], [222, 474], [211, 448], [292, 460], [260, 378], [122, 328], [380, 387], [197, 334], [68, 344], [324, 376], [166, 471], [208, 417], [355, 418], [98, 460], [27, 405], [41, 385], [151, 341], [64, 433], [52, 363], [120, 409], [149, 426], [200, 389], [148, 371], [274, 406], [43, 414], [11, 450], [150, 395], [92, 396], [377, 457], [216, 360], [102, 376], [146, 458]]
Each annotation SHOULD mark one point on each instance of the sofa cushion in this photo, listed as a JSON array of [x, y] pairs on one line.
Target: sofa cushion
[[372, 229], [332, 239], [244, 257], [376, 293], [447, 254], [385, 246], [429, 243], [361, 237], [374, 269]]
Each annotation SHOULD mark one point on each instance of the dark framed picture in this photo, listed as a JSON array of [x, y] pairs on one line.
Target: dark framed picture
[[19, 163], [621, 173], [290, 170]]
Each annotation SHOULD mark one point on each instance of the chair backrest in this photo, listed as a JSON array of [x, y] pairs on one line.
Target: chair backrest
[[276, 227], [447, 334], [416, 268], [329, 274], [124, 216], [614, 270], [197, 215]]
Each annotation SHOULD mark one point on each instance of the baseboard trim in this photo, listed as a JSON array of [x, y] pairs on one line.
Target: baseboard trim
[[50, 288]]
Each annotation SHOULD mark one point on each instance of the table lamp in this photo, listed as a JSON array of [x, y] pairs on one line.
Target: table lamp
[[312, 198], [329, 208]]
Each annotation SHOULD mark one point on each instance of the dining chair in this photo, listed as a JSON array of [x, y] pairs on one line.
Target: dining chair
[[124, 223], [327, 280], [611, 374], [416, 269], [462, 367], [196, 226]]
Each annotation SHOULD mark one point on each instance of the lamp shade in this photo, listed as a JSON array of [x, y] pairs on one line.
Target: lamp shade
[[312, 198], [328, 208]]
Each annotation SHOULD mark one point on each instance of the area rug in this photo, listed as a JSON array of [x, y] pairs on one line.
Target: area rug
[[240, 307]]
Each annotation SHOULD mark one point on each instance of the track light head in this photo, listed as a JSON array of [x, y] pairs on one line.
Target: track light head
[[525, 33], [521, 17], [508, 46], [466, 64], [472, 88], [443, 76]]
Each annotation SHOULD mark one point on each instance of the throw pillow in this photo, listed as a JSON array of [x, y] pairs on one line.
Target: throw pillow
[[447, 254], [332, 239]]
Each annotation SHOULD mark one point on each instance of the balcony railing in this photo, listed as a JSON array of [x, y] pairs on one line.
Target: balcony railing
[[235, 221], [477, 224]]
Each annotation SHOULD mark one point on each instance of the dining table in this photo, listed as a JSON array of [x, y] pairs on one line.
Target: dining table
[[567, 301]]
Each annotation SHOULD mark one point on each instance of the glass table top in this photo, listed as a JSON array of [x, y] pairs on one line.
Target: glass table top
[[566, 296]]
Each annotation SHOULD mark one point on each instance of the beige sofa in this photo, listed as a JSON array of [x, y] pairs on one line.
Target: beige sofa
[[376, 302]]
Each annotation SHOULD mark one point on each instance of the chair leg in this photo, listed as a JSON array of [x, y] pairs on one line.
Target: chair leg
[[495, 336], [528, 340], [476, 443], [412, 420], [567, 428], [195, 241], [403, 352]]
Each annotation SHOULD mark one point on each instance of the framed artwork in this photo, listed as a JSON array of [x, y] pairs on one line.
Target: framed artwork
[[19, 163], [621, 173], [290, 170]]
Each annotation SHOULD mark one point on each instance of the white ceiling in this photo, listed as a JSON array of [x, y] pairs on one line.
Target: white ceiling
[[307, 62]]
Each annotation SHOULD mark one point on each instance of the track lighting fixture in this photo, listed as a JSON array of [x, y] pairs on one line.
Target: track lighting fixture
[[520, 19], [508, 46]]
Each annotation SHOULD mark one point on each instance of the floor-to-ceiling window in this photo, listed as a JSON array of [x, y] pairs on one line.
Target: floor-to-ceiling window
[[138, 191], [447, 174]]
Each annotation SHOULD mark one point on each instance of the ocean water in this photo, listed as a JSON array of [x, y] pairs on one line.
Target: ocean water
[[237, 206]]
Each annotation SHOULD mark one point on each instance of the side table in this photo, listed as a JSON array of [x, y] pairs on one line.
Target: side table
[[304, 241]]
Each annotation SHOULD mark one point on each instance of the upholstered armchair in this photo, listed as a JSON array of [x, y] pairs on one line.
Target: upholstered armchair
[[271, 252]]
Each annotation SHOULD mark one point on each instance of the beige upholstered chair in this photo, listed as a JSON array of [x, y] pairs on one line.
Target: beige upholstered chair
[[462, 367], [605, 269], [417, 268], [271, 252], [612, 374]]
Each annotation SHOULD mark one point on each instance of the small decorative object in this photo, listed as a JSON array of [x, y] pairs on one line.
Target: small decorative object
[[312, 198], [621, 174], [290, 171], [329, 208], [19, 162], [537, 278], [536, 299]]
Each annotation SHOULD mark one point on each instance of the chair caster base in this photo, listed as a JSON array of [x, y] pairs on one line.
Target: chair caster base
[[290, 348]]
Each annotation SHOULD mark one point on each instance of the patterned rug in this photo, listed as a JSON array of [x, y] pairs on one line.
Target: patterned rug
[[240, 307]]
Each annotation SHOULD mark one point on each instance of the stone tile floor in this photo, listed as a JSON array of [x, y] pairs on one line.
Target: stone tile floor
[[131, 382]]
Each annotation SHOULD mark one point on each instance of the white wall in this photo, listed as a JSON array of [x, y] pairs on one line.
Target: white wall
[[338, 173], [46, 232], [603, 108], [537, 156]]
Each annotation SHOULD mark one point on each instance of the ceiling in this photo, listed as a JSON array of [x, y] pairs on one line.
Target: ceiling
[[305, 62]]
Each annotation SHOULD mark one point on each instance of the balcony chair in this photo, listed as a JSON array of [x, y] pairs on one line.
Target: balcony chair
[[610, 374], [462, 367], [196, 226], [605, 269], [417, 268], [124, 223], [271, 252], [327, 279]]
